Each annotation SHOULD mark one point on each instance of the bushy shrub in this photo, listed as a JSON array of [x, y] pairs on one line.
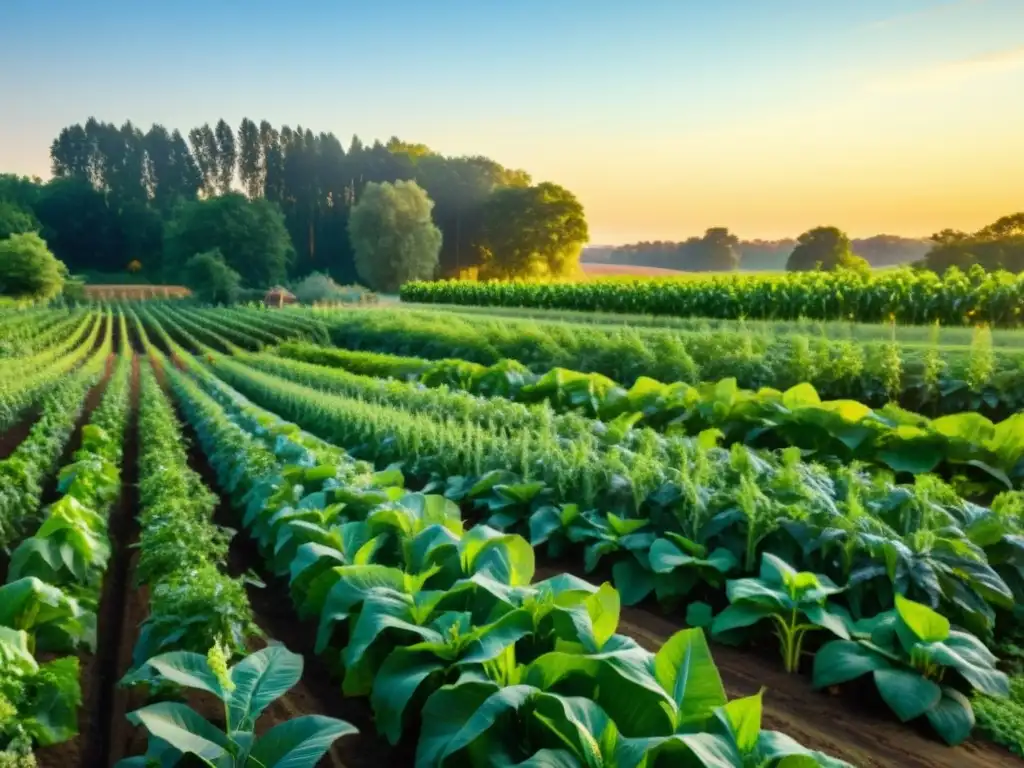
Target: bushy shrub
[[28, 269]]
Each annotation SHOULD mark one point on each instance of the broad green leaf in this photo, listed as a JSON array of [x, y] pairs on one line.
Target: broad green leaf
[[840, 661], [182, 728], [490, 640], [261, 678], [738, 617], [929, 626], [744, 718], [396, 683], [188, 669], [907, 692], [953, 717], [684, 668], [299, 743], [456, 715]]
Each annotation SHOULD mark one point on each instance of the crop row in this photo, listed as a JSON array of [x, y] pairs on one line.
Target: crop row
[[199, 624], [23, 385], [50, 601], [443, 626], [22, 473], [840, 430], [909, 296], [927, 380]]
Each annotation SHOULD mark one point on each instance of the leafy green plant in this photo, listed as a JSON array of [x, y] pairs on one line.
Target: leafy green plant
[[38, 702], [919, 665], [797, 603], [245, 690]]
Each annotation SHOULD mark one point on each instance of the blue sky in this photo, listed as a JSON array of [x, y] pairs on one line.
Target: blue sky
[[665, 117]]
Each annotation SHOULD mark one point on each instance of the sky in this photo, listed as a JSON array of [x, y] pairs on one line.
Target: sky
[[665, 117]]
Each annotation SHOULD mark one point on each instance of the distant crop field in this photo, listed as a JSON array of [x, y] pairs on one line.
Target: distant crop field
[[136, 291], [626, 270]]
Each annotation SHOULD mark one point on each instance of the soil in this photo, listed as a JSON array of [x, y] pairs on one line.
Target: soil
[[11, 438], [854, 725]]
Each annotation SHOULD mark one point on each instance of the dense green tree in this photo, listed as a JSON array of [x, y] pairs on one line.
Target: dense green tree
[[79, 226], [1000, 245], [210, 278], [535, 231], [393, 236], [15, 220], [820, 248], [249, 233], [28, 269], [716, 251]]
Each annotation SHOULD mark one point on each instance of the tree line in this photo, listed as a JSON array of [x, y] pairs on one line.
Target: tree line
[[999, 245], [122, 198]]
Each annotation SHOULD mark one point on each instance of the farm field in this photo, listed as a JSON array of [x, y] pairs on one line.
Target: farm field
[[400, 536], [902, 295]]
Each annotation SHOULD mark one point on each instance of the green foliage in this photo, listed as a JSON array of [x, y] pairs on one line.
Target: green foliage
[[250, 234], [444, 621], [1002, 719], [317, 288], [15, 220], [825, 248], [392, 235], [999, 245], [919, 664], [245, 691], [908, 296], [38, 702], [784, 596], [211, 279], [534, 231], [28, 269]]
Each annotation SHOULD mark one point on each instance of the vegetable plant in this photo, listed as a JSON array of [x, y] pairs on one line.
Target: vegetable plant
[[796, 603], [245, 691], [920, 666]]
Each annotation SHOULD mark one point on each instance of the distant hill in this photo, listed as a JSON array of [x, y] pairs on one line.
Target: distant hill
[[880, 251]]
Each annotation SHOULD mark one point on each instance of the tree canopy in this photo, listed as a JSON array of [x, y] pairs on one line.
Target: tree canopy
[[825, 248], [28, 269], [1000, 245], [15, 220], [249, 234], [531, 231], [393, 236]]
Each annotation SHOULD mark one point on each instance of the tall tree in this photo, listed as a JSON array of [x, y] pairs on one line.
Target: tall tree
[[250, 158], [70, 152], [227, 156], [393, 236], [273, 162], [206, 154]]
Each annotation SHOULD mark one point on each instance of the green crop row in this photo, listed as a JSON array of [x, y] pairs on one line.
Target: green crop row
[[23, 472], [50, 601], [200, 621], [906, 295], [447, 636], [24, 386], [965, 444], [929, 380]]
